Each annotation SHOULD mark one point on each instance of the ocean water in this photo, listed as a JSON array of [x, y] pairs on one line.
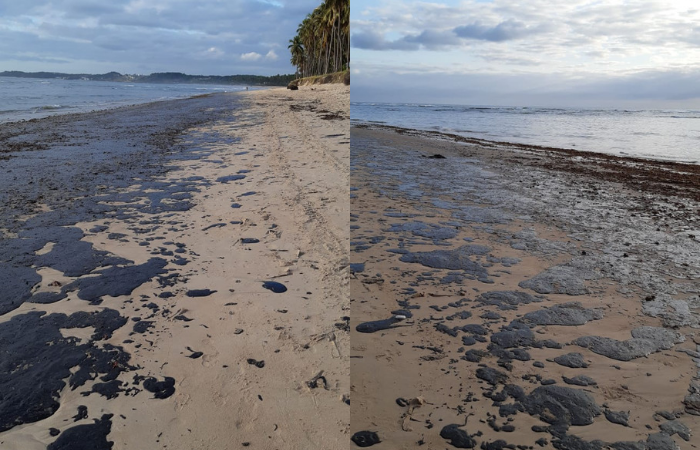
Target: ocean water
[[30, 98], [657, 134]]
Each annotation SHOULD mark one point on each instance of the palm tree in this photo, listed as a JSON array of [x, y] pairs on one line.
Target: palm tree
[[297, 50], [322, 42]]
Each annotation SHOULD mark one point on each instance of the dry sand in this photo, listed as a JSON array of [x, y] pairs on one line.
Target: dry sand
[[274, 367], [633, 256]]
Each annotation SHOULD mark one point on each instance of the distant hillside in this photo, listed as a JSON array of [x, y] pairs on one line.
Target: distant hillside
[[166, 77]]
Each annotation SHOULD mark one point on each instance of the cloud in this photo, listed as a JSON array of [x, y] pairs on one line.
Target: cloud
[[372, 40], [213, 52], [504, 31], [434, 40], [435, 27], [611, 50], [252, 56], [439, 40], [139, 36]]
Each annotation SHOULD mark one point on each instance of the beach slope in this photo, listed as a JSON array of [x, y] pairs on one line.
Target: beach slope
[[511, 296], [186, 262]]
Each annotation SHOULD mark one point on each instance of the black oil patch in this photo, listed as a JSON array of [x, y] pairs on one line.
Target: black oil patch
[[36, 359], [17, 284], [275, 287], [86, 437], [116, 281], [160, 389], [199, 292]]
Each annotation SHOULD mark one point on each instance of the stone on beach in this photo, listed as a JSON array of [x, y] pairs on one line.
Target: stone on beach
[[516, 334], [379, 325], [558, 280], [560, 404], [645, 341], [507, 300], [569, 314], [573, 360], [365, 438], [458, 438], [457, 259]]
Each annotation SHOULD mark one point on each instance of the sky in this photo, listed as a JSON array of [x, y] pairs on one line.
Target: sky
[[199, 37], [606, 53]]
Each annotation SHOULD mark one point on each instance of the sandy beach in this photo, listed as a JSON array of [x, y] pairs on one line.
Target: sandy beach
[[550, 297], [176, 275]]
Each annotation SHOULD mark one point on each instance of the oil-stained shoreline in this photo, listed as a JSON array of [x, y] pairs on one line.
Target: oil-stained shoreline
[[57, 172], [551, 296], [125, 262]]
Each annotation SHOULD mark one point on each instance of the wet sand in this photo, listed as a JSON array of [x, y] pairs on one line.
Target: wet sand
[[177, 275], [551, 297]]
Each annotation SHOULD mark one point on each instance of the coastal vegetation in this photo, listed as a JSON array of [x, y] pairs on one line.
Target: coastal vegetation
[[322, 43], [329, 78], [165, 77]]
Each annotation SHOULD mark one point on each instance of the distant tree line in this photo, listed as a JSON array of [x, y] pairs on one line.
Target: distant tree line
[[322, 43], [165, 77]]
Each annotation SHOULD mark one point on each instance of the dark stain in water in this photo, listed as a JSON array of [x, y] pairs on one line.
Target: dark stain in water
[[86, 437], [275, 287]]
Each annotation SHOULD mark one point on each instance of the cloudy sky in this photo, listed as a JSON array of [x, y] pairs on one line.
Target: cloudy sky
[[641, 53], [208, 37]]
